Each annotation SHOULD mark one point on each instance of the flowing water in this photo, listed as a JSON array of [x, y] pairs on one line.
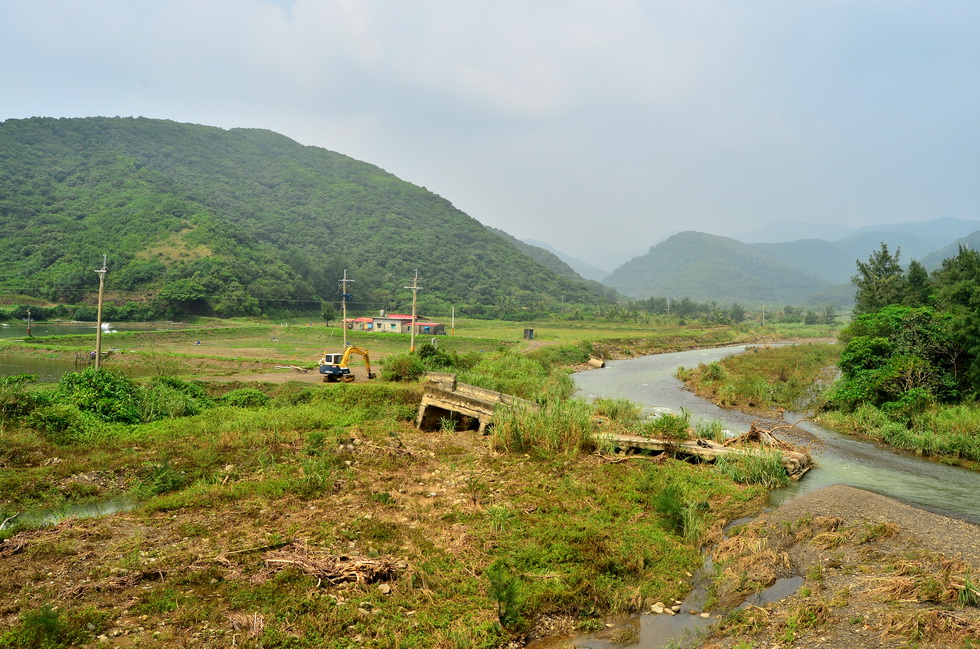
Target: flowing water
[[650, 382]]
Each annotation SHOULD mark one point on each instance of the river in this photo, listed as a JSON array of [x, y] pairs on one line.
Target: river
[[650, 382]]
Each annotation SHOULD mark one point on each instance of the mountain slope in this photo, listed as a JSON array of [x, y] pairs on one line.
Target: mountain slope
[[934, 259], [822, 259], [707, 267], [232, 221], [584, 269]]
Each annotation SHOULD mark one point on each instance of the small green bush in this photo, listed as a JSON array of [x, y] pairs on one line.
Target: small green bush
[[246, 398], [402, 367], [563, 427], [670, 426], [48, 628], [620, 410], [110, 396], [64, 424]]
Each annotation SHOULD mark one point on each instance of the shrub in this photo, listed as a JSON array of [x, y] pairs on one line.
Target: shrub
[[402, 367], [47, 628], [621, 410], [110, 396], [15, 399], [563, 427], [163, 478], [523, 377], [169, 398], [64, 424], [246, 398], [670, 426]]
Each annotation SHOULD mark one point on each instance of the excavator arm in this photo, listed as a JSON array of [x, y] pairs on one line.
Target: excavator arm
[[363, 353]]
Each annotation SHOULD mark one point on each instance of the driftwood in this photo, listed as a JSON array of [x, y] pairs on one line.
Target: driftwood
[[795, 462], [339, 569], [766, 437]]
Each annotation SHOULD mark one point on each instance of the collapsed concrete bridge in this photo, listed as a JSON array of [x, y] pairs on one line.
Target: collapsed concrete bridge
[[468, 406]]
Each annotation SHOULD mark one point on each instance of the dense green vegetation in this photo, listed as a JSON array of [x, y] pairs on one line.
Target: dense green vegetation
[[201, 220], [789, 377], [909, 363]]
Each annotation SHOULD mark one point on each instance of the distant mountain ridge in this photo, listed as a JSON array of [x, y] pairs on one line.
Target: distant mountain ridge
[[708, 267], [806, 271]]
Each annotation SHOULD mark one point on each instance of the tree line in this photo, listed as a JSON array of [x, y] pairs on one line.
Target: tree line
[[915, 340]]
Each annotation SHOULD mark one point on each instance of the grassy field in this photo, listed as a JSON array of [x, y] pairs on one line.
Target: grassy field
[[318, 516], [244, 347]]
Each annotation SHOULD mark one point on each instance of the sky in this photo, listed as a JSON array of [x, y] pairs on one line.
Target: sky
[[598, 127]]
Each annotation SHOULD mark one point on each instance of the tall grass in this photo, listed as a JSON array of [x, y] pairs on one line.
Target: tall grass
[[785, 377], [942, 431], [559, 427], [523, 377], [754, 468]]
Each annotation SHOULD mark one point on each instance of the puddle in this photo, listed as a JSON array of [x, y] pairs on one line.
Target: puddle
[[53, 516], [781, 589]]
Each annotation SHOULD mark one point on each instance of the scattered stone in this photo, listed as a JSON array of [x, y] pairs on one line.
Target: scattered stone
[[657, 608]]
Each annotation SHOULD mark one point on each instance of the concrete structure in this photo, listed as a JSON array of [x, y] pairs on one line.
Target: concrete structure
[[361, 324], [472, 408], [402, 324]]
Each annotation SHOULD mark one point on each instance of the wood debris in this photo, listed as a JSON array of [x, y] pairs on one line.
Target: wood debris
[[338, 569]]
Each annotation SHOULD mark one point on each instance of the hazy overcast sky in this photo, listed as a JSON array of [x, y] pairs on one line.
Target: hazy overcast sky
[[588, 125]]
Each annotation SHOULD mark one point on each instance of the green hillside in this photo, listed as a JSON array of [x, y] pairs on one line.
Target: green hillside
[[201, 219], [707, 267]]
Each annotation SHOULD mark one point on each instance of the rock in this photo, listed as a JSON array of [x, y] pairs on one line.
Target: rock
[[384, 589], [706, 615], [657, 608]]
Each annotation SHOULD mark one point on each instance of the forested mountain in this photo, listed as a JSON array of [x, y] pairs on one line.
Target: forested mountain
[[231, 222], [707, 267], [806, 271]]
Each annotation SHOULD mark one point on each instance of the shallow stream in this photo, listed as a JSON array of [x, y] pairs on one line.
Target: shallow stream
[[650, 382]]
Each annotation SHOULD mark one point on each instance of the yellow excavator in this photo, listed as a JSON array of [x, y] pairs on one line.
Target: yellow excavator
[[333, 366]]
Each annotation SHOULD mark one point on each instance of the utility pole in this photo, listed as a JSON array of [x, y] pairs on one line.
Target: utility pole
[[344, 299], [28, 322], [415, 292], [98, 317], [452, 329]]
